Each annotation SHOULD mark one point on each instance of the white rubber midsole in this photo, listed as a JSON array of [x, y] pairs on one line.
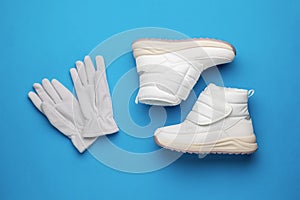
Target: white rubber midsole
[[157, 46], [182, 59], [227, 145]]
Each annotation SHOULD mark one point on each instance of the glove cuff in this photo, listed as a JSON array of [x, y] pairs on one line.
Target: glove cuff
[[81, 143], [99, 127]]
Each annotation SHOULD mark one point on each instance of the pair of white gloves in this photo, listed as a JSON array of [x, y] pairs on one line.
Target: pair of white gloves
[[82, 119]]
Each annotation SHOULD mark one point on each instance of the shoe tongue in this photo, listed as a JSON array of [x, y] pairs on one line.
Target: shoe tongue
[[229, 95], [213, 87]]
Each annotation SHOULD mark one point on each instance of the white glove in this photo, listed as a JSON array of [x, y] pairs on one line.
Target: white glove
[[94, 97], [62, 109]]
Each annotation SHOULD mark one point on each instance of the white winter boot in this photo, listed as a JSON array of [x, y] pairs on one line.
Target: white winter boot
[[218, 123], [169, 69]]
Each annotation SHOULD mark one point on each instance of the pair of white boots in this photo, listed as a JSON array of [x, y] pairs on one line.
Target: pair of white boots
[[219, 121]]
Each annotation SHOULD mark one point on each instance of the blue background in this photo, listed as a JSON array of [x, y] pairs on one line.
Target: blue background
[[43, 39]]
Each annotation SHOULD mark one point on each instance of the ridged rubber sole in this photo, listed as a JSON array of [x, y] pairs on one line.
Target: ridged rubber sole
[[245, 145], [153, 46]]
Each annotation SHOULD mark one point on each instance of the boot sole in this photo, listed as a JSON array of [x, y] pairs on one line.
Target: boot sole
[[243, 145], [159, 46]]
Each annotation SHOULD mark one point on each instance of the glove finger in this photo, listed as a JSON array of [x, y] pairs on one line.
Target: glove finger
[[75, 78], [62, 91], [35, 99], [90, 69], [42, 93], [102, 90], [81, 72], [100, 63], [51, 91]]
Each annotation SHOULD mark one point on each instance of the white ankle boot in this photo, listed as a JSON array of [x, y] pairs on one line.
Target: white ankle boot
[[218, 123], [169, 69]]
